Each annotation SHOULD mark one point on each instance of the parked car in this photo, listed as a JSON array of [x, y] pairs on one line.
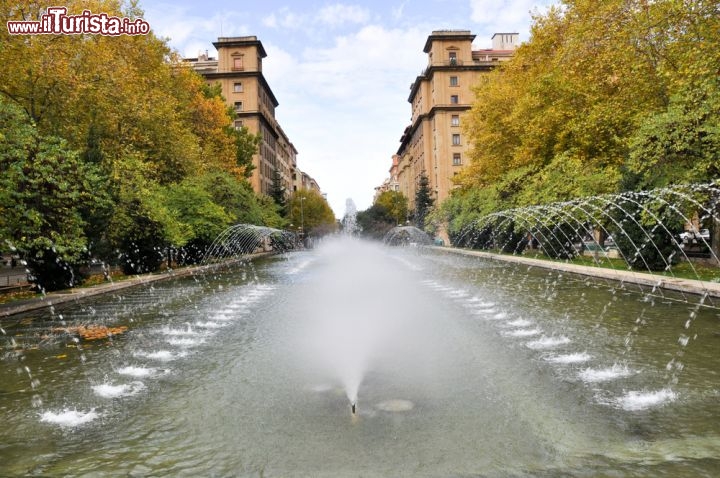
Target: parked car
[[694, 236]]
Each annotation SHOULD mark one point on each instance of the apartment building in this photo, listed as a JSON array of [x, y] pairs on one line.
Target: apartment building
[[303, 180], [433, 143], [238, 70], [391, 183]]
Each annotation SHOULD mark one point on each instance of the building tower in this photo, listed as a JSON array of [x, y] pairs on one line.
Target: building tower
[[238, 70], [433, 143]]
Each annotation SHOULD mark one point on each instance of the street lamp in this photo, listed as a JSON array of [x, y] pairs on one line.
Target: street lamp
[[302, 217]]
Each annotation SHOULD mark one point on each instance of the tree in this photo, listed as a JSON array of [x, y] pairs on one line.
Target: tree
[[203, 219], [681, 143], [601, 91], [423, 201], [239, 200], [311, 214], [396, 205], [641, 232], [246, 145], [375, 221], [45, 187], [153, 137], [278, 193]]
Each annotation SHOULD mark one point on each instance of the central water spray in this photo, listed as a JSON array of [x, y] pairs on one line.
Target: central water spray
[[352, 316]]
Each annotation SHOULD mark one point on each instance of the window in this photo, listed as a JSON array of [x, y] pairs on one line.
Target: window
[[238, 106], [453, 81], [237, 88], [454, 99], [237, 63], [455, 120], [457, 159], [453, 58], [238, 124], [456, 140]]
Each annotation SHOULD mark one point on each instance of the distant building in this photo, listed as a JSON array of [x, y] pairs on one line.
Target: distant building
[[238, 70], [302, 180], [433, 143], [391, 183]]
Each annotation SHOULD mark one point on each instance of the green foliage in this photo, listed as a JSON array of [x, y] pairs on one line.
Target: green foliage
[[113, 148], [192, 205], [682, 143], [375, 221], [423, 201], [239, 201], [389, 210], [142, 227], [246, 145], [396, 205], [278, 193], [644, 231], [556, 236], [311, 214], [605, 97], [46, 188]]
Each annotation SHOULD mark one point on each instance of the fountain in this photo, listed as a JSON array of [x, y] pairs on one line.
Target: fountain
[[242, 239], [450, 365], [349, 221], [406, 235], [644, 227]]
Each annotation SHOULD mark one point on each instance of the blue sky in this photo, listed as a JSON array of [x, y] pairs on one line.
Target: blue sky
[[341, 70]]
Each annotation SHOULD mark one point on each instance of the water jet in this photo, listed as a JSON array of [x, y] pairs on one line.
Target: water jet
[[475, 366]]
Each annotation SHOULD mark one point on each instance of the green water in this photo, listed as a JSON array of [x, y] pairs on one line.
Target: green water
[[498, 371]]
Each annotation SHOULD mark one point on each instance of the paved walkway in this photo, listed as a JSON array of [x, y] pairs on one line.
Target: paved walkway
[[77, 294], [690, 286]]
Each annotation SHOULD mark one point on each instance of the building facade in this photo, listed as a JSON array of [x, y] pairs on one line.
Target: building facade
[[391, 183], [238, 70], [433, 144]]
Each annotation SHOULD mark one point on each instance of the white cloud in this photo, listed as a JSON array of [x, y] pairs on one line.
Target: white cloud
[[333, 16], [193, 33], [270, 21], [342, 72], [397, 12], [344, 106], [507, 16], [286, 18], [339, 14]]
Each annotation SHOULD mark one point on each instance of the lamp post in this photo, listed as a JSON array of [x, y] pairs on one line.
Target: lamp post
[[302, 218]]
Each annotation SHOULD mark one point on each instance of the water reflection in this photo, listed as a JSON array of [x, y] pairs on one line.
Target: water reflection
[[459, 367]]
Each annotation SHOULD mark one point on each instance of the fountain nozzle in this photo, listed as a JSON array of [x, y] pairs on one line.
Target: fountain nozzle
[[353, 409]]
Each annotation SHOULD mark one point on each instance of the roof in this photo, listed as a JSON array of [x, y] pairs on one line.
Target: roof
[[240, 41], [447, 35]]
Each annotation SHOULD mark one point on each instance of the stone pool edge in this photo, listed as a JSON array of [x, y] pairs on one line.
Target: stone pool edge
[[691, 286], [58, 298]]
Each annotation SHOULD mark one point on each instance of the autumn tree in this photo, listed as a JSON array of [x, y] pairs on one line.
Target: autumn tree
[[311, 214], [142, 126], [396, 205], [600, 92]]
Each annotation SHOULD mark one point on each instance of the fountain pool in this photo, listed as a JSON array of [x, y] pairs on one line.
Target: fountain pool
[[459, 367]]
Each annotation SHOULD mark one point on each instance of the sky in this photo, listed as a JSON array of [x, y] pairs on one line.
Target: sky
[[340, 70]]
